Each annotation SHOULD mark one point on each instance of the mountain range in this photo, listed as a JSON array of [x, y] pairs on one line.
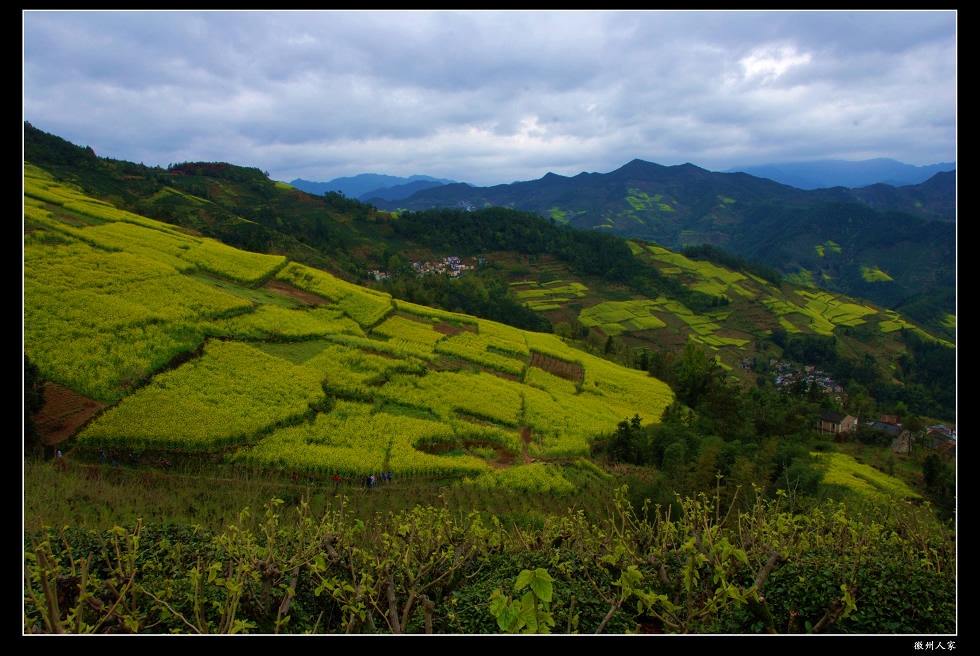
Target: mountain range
[[822, 174], [371, 185], [597, 199]]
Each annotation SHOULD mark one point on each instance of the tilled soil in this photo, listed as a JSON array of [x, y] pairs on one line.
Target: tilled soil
[[64, 412], [296, 293]]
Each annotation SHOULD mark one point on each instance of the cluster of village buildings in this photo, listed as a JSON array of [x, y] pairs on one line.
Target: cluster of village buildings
[[788, 374], [940, 438], [451, 265]]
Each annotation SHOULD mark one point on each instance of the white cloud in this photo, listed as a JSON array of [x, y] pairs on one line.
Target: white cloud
[[768, 63]]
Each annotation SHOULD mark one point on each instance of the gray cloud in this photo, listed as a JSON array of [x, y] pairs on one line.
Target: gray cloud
[[492, 97]]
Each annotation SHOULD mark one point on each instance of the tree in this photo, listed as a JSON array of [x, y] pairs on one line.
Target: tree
[[673, 461], [563, 329], [722, 408], [706, 467], [859, 402], [696, 373], [397, 264]]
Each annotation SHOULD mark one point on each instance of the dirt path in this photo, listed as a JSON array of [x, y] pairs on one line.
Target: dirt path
[[525, 440]]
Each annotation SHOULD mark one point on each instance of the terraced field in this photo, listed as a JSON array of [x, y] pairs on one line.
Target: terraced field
[[549, 295], [195, 347], [755, 307]]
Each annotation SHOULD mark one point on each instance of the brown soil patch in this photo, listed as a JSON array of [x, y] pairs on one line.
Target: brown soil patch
[[567, 370], [301, 196], [294, 292], [64, 412], [440, 326], [449, 362], [450, 329]]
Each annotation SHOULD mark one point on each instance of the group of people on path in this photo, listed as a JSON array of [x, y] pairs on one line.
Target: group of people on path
[[370, 480]]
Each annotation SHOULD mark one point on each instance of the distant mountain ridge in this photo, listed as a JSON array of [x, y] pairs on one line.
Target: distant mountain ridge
[[593, 199], [835, 238], [398, 192], [823, 174], [371, 185]]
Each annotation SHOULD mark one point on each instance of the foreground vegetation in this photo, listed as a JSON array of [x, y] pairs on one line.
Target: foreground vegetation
[[355, 562]]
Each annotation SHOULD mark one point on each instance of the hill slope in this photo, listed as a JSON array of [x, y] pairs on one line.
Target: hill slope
[[206, 348]]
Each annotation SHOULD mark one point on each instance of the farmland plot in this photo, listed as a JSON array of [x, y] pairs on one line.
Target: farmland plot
[[352, 384], [230, 394]]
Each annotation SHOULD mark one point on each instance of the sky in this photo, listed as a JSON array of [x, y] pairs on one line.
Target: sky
[[490, 97]]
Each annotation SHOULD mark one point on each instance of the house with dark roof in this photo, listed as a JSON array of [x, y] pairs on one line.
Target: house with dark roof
[[901, 438], [835, 423]]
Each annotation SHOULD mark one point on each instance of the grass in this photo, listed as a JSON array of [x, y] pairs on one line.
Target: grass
[[294, 352], [536, 478], [843, 470], [543, 296], [90, 495], [702, 276]]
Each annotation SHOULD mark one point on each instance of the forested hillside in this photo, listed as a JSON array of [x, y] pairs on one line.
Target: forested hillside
[[907, 234]]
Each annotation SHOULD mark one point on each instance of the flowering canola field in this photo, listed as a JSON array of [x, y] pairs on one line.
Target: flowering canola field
[[114, 309]]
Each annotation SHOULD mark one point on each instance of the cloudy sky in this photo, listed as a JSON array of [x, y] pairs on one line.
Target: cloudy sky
[[493, 97]]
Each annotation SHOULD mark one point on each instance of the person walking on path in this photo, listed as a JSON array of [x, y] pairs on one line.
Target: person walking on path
[[59, 462], [336, 483]]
